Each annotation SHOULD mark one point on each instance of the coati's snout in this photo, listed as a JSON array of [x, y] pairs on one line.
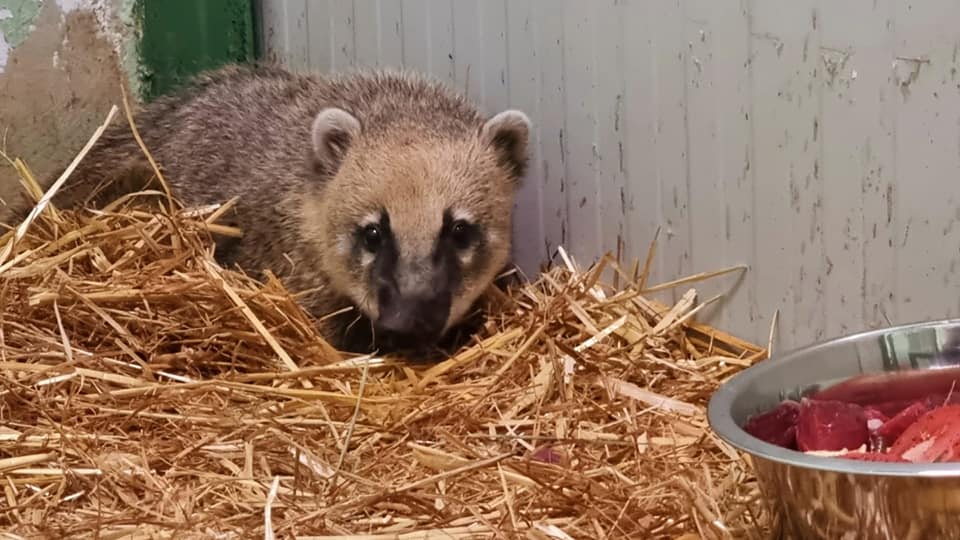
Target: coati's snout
[[410, 320]]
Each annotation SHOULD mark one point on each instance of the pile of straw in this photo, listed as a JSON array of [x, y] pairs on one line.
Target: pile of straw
[[146, 392]]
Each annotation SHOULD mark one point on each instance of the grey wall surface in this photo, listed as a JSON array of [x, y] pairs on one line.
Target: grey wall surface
[[816, 141]]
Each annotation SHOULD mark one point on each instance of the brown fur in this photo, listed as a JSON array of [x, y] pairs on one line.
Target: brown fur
[[247, 132]]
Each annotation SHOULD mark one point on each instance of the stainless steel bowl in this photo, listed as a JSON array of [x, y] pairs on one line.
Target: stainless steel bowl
[[815, 497]]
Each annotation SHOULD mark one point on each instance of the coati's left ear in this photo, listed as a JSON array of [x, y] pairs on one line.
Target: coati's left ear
[[333, 130], [509, 134]]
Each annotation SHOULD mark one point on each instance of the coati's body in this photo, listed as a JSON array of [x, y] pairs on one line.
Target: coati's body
[[377, 190]]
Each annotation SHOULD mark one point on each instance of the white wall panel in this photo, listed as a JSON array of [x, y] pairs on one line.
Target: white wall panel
[[818, 142]]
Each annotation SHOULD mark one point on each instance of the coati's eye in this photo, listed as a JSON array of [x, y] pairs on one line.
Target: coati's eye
[[372, 238], [462, 234]]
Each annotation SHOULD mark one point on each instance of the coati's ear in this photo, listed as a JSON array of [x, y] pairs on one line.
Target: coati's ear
[[333, 131], [509, 133]]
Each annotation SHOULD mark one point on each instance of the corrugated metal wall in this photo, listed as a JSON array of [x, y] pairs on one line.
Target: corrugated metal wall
[[816, 141]]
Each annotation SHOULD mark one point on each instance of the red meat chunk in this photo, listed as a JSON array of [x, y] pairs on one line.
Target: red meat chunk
[[777, 426], [893, 428], [934, 437], [892, 408], [830, 425]]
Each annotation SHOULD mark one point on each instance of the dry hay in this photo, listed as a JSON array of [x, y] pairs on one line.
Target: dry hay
[[145, 392]]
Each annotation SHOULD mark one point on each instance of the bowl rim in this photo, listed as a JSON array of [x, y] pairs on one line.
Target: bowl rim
[[722, 423]]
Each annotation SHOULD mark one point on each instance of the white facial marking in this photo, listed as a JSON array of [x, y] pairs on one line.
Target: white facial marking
[[460, 214], [343, 244], [370, 219], [458, 308], [366, 259], [365, 302]]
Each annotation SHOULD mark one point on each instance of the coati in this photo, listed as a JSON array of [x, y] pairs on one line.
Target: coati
[[380, 190]]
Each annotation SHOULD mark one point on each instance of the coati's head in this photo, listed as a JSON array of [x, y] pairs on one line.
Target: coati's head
[[415, 219]]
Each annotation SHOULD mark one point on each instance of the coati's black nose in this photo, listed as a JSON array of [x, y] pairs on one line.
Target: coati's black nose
[[409, 322]]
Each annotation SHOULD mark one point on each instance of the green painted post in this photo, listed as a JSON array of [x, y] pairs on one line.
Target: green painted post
[[180, 38]]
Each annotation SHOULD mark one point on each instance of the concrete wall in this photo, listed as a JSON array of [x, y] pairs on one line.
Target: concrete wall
[[815, 141], [61, 63]]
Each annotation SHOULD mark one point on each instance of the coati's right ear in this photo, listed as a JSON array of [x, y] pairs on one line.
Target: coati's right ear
[[333, 131]]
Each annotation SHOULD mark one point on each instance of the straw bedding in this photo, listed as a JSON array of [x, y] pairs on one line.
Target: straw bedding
[[146, 392]]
